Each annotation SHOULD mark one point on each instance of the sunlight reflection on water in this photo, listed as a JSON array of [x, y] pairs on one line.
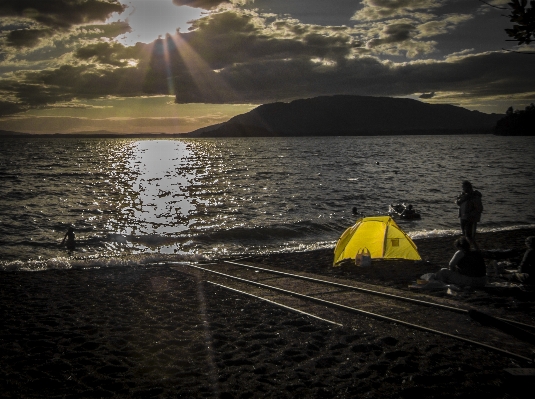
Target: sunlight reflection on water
[[161, 199], [209, 196]]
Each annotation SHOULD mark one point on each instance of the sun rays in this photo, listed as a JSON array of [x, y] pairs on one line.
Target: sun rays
[[175, 61]]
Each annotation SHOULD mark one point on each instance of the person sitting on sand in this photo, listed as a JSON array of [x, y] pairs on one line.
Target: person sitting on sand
[[466, 268], [526, 269], [69, 239]]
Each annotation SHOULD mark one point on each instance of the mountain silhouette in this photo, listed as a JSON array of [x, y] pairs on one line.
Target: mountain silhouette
[[352, 115]]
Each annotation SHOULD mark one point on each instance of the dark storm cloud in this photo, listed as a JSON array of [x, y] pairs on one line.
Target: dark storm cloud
[[394, 33], [238, 58], [427, 95], [27, 37], [493, 74], [9, 108], [88, 82], [60, 13], [52, 15], [279, 80], [204, 4], [240, 38], [43, 88], [190, 60], [381, 9], [486, 74], [109, 53], [111, 30]]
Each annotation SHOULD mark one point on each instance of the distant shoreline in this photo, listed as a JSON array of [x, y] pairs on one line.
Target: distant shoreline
[[208, 135], [328, 116]]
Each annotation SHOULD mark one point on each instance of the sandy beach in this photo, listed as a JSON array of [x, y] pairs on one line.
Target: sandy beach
[[154, 331]]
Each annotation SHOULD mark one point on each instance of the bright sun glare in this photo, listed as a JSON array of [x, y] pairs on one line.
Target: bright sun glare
[[150, 19]]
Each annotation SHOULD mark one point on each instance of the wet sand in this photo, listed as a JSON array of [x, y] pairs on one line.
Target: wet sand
[[156, 332]]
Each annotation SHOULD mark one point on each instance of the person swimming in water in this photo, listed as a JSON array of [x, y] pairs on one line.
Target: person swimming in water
[[69, 239], [356, 212]]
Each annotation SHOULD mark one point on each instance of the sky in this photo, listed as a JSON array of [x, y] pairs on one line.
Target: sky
[[173, 66]]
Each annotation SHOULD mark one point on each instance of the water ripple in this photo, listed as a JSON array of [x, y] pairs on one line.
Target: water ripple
[[208, 196]]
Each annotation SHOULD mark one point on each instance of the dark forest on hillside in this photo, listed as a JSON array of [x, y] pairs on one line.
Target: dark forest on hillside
[[517, 122]]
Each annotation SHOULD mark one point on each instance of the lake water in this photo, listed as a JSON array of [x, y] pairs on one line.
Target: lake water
[[137, 201]]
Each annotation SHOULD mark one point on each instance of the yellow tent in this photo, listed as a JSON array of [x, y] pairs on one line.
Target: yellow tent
[[380, 235]]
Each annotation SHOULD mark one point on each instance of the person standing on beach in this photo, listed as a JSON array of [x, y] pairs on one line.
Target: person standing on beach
[[470, 208], [69, 239]]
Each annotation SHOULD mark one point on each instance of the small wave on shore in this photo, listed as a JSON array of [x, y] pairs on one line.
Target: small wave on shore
[[79, 260], [420, 234], [65, 263]]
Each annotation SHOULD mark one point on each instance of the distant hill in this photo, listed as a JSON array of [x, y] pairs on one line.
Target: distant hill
[[10, 133], [90, 134], [352, 115]]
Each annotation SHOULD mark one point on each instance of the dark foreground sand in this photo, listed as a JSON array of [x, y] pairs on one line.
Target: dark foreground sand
[[156, 332]]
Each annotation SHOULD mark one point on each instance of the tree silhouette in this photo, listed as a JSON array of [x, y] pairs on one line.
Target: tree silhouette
[[517, 122], [523, 17]]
